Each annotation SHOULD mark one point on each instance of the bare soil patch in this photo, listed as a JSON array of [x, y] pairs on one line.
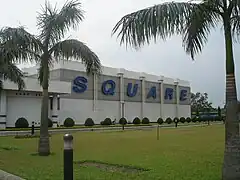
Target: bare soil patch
[[111, 167]]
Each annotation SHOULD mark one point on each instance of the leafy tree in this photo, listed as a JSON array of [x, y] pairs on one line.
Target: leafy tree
[[194, 21], [50, 46], [200, 102]]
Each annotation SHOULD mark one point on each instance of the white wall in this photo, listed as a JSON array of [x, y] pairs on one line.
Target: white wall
[[184, 111], [169, 110], [80, 110], [152, 111], [132, 110], [27, 107]]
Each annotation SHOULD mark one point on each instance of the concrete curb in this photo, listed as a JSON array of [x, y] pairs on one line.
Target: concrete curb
[[7, 176], [57, 131]]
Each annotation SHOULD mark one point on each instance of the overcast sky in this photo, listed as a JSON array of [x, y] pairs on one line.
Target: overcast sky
[[206, 73]]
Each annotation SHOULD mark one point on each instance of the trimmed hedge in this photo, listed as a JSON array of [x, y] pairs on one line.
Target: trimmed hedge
[[21, 123], [188, 119], [169, 120], [160, 121], [69, 122], [176, 120], [182, 120], [122, 121], [145, 120], [89, 122], [107, 122], [136, 120]]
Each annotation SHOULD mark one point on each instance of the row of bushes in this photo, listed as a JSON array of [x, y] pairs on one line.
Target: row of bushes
[[69, 122], [23, 123]]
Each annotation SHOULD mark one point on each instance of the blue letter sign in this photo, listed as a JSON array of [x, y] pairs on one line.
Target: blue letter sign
[[131, 93], [79, 84], [108, 90], [152, 93], [183, 95], [169, 93]]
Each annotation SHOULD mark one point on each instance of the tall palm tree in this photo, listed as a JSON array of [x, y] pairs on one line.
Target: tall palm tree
[[53, 25], [194, 21], [50, 46]]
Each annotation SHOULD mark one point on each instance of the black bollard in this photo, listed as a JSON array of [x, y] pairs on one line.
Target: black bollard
[[32, 129], [68, 157]]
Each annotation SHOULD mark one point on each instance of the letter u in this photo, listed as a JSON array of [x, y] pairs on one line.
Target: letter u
[[130, 92]]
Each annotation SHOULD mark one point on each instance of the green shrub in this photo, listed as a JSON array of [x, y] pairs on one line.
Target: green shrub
[[102, 122], [201, 119], [188, 119], [145, 120], [182, 120], [176, 120], [194, 119], [136, 120], [123, 121], [107, 122], [69, 122], [160, 121], [89, 122], [21, 123], [50, 123], [169, 120]]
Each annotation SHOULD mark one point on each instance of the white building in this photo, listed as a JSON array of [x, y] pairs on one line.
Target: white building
[[114, 94]]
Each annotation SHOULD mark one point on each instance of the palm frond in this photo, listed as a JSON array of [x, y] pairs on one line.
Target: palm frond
[[201, 21], [9, 71], [234, 8], [161, 20], [19, 45], [235, 24], [75, 49], [53, 23]]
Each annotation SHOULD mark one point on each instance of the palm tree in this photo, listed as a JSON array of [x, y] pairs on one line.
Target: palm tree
[[194, 21], [50, 46], [14, 43], [53, 25]]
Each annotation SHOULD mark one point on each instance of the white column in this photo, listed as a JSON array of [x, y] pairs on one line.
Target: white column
[[142, 78], [161, 79], [55, 111], [3, 109], [95, 92], [176, 83], [121, 102]]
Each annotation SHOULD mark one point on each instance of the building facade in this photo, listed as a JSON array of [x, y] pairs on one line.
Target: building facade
[[115, 93]]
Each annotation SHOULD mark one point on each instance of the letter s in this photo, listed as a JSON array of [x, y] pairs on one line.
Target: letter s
[[79, 84]]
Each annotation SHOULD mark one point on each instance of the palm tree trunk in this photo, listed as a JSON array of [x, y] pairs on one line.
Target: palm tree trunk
[[43, 146], [231, 163]]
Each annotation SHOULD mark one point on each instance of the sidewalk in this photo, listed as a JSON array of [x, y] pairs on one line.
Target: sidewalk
[[57, 131]]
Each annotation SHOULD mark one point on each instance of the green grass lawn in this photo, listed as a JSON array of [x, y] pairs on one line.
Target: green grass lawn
[[189, 153]]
